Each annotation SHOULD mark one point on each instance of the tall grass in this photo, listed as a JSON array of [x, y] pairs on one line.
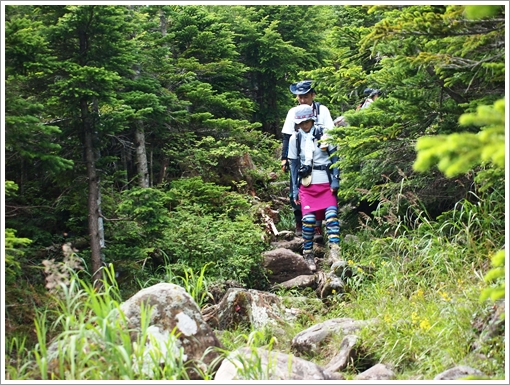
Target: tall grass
[[94, 342], [252, 366], [425, 291], [196, 285]]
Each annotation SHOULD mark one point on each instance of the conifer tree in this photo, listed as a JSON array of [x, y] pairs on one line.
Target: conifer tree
[[89, 53]]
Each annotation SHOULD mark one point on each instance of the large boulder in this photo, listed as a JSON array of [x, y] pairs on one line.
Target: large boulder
[[377, 372], [301, 281], [345, 355], [310, 340], [283, 264], [458, 373], [173, 308], [247, 307]]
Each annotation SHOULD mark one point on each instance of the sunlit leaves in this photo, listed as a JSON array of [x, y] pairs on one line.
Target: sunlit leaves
[[460, 152]]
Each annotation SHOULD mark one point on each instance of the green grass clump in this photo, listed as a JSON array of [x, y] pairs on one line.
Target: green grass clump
[[424, 293], [93, 340]]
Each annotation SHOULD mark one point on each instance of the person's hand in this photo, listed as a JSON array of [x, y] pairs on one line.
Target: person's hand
[[285, 163], [334, 185]]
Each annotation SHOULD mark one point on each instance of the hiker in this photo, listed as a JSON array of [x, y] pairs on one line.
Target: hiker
[[371, 98], [305, 95], [340, 122], [316, 182]]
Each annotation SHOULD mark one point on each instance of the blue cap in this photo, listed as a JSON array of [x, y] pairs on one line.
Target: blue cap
[[301, 88]]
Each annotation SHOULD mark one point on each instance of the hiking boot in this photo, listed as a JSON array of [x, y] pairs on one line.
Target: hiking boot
[[299, 229], [310, 260], [334, 253]]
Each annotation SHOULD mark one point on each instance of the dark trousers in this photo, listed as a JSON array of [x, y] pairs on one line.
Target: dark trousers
[[298, 215]]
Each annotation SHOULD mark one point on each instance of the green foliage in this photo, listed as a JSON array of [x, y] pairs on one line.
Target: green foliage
[[481, 11], [496, 275], [10, 188], [233, 246], [195, 285], [13, 254], [425, 290], [432, 65], [148, 207], [193, 223], [208, 87], [458, 153], [250, 367], [29, 137], [210, 197], [275, 48]]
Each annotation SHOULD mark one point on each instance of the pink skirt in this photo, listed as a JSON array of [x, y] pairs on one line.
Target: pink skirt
[[316, 197]]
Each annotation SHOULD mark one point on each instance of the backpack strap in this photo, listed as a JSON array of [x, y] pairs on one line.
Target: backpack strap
[[316, 108], [298, 145], [317, 135]]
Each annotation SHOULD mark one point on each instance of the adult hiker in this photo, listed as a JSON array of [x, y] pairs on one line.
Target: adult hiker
[[305, 95], [371, 98], [316, 181]]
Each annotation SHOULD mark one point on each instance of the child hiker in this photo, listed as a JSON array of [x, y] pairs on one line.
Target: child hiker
[[315, 182]]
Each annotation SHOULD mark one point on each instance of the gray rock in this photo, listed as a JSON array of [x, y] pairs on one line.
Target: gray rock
[[458, 372], [249, 307], [344, 355], [270, 365], [299, 282], [329, 283], [283, 265], [292, 243], [173, 307], [310, 340], [376, 372]]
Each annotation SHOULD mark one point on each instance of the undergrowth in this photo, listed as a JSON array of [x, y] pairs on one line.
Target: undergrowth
[[420, 286]]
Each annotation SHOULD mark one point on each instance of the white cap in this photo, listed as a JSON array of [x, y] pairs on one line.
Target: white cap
[[303, 113]]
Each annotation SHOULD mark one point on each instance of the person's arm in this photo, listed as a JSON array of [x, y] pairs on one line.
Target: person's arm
[[285, 152], [294, 167], [287, 131], [335, 174], [288, 125]]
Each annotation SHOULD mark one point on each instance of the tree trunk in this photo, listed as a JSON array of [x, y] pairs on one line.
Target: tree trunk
[[141, 156], [93, 195], [165, 161]]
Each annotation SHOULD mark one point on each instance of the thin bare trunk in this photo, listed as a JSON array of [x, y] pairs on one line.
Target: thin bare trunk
[[162, 171], [141, 156], [151, 163], [93, 195]]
